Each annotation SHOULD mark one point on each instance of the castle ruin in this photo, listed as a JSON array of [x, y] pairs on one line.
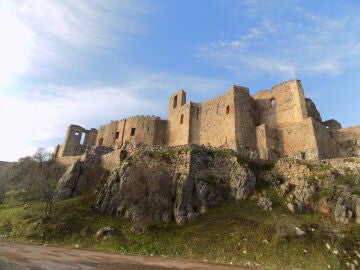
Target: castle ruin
[[271, 124]]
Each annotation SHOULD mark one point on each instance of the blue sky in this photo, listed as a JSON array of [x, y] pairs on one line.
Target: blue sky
[[91, 61]]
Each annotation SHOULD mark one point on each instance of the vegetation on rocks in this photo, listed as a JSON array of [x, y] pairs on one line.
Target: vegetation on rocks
[[200, 204]]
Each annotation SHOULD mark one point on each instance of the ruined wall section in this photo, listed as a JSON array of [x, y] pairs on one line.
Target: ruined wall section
[[146, 129], [284, 104], [325, 142], [348, 141], [178, 116], [298, 140], [76, 140], [213, 122], [107, 133], [267, 142], [312, 110]]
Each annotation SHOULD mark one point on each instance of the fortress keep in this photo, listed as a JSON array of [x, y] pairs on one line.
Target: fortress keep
[[274, 123]]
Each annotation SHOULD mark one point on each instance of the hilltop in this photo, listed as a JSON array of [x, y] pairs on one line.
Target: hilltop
[[200, 203]]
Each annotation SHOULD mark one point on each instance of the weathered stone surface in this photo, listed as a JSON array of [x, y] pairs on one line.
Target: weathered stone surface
[[68, 182], [333, 124], [265, 203], [306, 191], [284, 189], [274, 123], [347, 208], [158, 186]]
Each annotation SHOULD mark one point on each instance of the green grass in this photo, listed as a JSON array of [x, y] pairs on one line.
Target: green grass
[[348, 178], [239, 232]]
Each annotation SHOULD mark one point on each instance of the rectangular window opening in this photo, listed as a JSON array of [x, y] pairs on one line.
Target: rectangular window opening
[[133, 130], [117, 135], [82, 139]]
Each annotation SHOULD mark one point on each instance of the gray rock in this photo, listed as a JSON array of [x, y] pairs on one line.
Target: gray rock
[[68, 182], [296, 207], [299, 232], [105, 232], [306, 191], [265, 203], [343, 211], [149, 189], [242, 182]]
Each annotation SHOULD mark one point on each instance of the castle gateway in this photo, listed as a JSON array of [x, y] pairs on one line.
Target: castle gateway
[[274, 123]]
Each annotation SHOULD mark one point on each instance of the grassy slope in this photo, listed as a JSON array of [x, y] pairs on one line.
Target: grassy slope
[[239, 232]]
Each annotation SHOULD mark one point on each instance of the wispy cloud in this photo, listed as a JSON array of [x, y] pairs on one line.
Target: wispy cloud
[[288, 41], [40, 35], [40, 117]]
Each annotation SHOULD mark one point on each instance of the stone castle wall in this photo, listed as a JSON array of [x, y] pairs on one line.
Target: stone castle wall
[[147, 129], [348, 141], [284, 104], [213, 122], [271, 124]]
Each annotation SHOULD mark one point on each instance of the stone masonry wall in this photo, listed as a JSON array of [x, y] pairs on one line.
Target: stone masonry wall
[[273, 123], [348, 141], [282, 105], [325, 143], [147, 129], [267, 142], [76, 140], [298, 140], [213, 122]]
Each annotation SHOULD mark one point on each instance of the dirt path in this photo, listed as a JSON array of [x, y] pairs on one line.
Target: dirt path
[[36, 257]]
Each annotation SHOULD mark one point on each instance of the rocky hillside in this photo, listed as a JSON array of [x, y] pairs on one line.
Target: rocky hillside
[[149, 185], [199, 203]]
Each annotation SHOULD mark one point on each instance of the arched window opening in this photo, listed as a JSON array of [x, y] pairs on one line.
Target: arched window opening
[[182, 119], [175, 102], [273, 102], [227, 109], [101, 141]]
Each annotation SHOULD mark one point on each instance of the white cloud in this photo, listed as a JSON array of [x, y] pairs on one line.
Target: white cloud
[[16, 38], [39, 118], [287, 41], [40, 35]]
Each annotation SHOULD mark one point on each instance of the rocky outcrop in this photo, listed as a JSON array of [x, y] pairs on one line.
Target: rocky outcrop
[[82, 176], [347, 208], [303, 197], [68, 182], [150, 187]]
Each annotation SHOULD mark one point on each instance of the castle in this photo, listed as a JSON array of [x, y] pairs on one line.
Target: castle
[[274, 123]]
